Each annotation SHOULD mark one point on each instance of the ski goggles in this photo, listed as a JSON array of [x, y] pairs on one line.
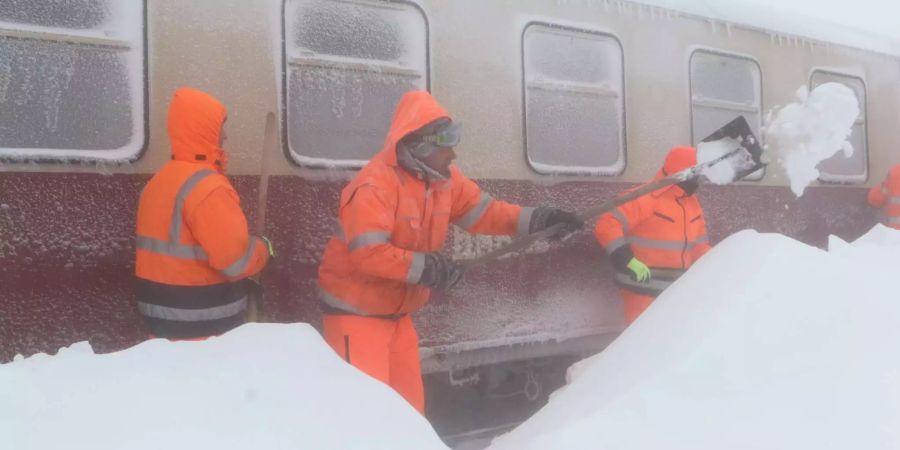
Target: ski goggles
[[449, 136]]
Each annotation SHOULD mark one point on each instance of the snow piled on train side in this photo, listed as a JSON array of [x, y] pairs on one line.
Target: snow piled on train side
[[265, 386], [803, 134], [765, 343]]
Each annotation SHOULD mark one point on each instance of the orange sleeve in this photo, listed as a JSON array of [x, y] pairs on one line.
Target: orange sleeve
[[878, 195], [479, 213], [219, 225], [367, 219], [612, 227]]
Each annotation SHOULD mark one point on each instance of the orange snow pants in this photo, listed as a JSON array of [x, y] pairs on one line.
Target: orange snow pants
[[635, 304], [387, 350]]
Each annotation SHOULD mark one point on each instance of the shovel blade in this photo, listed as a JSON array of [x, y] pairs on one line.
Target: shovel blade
[[739, 130]]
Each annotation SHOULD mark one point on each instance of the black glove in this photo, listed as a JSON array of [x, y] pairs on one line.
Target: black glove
[[545, 217], [440, 272]]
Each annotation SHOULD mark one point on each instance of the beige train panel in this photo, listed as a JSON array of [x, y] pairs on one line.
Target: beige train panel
[[227, 48]]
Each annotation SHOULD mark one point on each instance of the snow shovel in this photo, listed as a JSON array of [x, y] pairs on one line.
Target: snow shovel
[[745, 158], [254, 308]]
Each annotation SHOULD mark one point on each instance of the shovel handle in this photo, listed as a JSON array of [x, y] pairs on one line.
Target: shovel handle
[[524, 242]]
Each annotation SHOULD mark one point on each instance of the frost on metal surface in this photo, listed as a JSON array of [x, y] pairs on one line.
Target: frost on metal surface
[[71, 79], [348, 65], [574, 98], [74, 14]]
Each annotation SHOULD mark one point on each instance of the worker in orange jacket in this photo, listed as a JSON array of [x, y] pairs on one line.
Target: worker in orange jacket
[[653, 239], [887, 196], [193, 247], [384, 261]]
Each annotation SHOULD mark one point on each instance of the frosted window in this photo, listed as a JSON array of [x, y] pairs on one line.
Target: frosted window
[[838, 168], [574, 101], [349, 62], [72, 82], [724, 87]]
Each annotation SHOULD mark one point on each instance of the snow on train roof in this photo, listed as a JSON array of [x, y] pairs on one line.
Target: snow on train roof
[[864, 24]]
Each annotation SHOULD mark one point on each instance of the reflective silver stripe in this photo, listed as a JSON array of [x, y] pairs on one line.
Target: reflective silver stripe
[[884, 189], [416, 268], [239, 266], [193, 315], [524, 225], [370, 238], [337, 303], [183, 192], [474, 215], [654, 284], [621, 218], [614, 245], [658, 244], [700, 240], [894, 200], [338, 229], [170, 249]]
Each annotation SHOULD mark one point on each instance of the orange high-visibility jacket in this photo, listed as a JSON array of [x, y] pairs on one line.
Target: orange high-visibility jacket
[[389, 219], [665, 229], [192, 238], [887, 196]]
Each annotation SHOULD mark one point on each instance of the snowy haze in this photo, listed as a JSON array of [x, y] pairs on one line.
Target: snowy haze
[[766, 343], [869, 24]]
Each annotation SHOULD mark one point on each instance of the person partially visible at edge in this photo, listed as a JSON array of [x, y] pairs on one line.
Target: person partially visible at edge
[[383, 262], [653, 239], [887, 197], [194, 251]]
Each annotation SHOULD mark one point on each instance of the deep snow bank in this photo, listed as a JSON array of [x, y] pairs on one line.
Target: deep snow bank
[[765, 343], [261, 386]]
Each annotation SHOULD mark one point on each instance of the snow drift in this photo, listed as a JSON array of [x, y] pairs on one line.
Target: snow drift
[[260, 386], [765, 343]]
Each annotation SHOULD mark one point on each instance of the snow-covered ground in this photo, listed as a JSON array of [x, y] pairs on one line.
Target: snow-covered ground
[[766, 343], [258, 387]]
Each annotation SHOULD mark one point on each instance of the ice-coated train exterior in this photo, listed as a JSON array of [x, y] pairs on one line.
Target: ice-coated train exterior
[[562, 103]]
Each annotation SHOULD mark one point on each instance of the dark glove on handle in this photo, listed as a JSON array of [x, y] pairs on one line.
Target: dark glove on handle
[[545, 217], [440, 272]]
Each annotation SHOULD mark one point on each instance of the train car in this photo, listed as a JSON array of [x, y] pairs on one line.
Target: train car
[[562, 103]]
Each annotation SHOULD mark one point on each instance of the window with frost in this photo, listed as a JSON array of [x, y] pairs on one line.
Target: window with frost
[[839, 168], [348, 64], [72, 79], [724, 86], [574, 101]]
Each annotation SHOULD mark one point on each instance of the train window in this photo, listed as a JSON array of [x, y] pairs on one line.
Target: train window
[[724, 86], [839, 168], [574, 101], [348, 64], [72, 80]]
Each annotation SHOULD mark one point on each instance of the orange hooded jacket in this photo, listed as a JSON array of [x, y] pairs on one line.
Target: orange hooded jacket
[[192, 237], [389, 219], [887, 196], [665, 230]]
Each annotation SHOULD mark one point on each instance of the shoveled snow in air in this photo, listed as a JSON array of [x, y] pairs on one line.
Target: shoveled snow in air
[[258, 387], [766, 343], [801, 135]]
